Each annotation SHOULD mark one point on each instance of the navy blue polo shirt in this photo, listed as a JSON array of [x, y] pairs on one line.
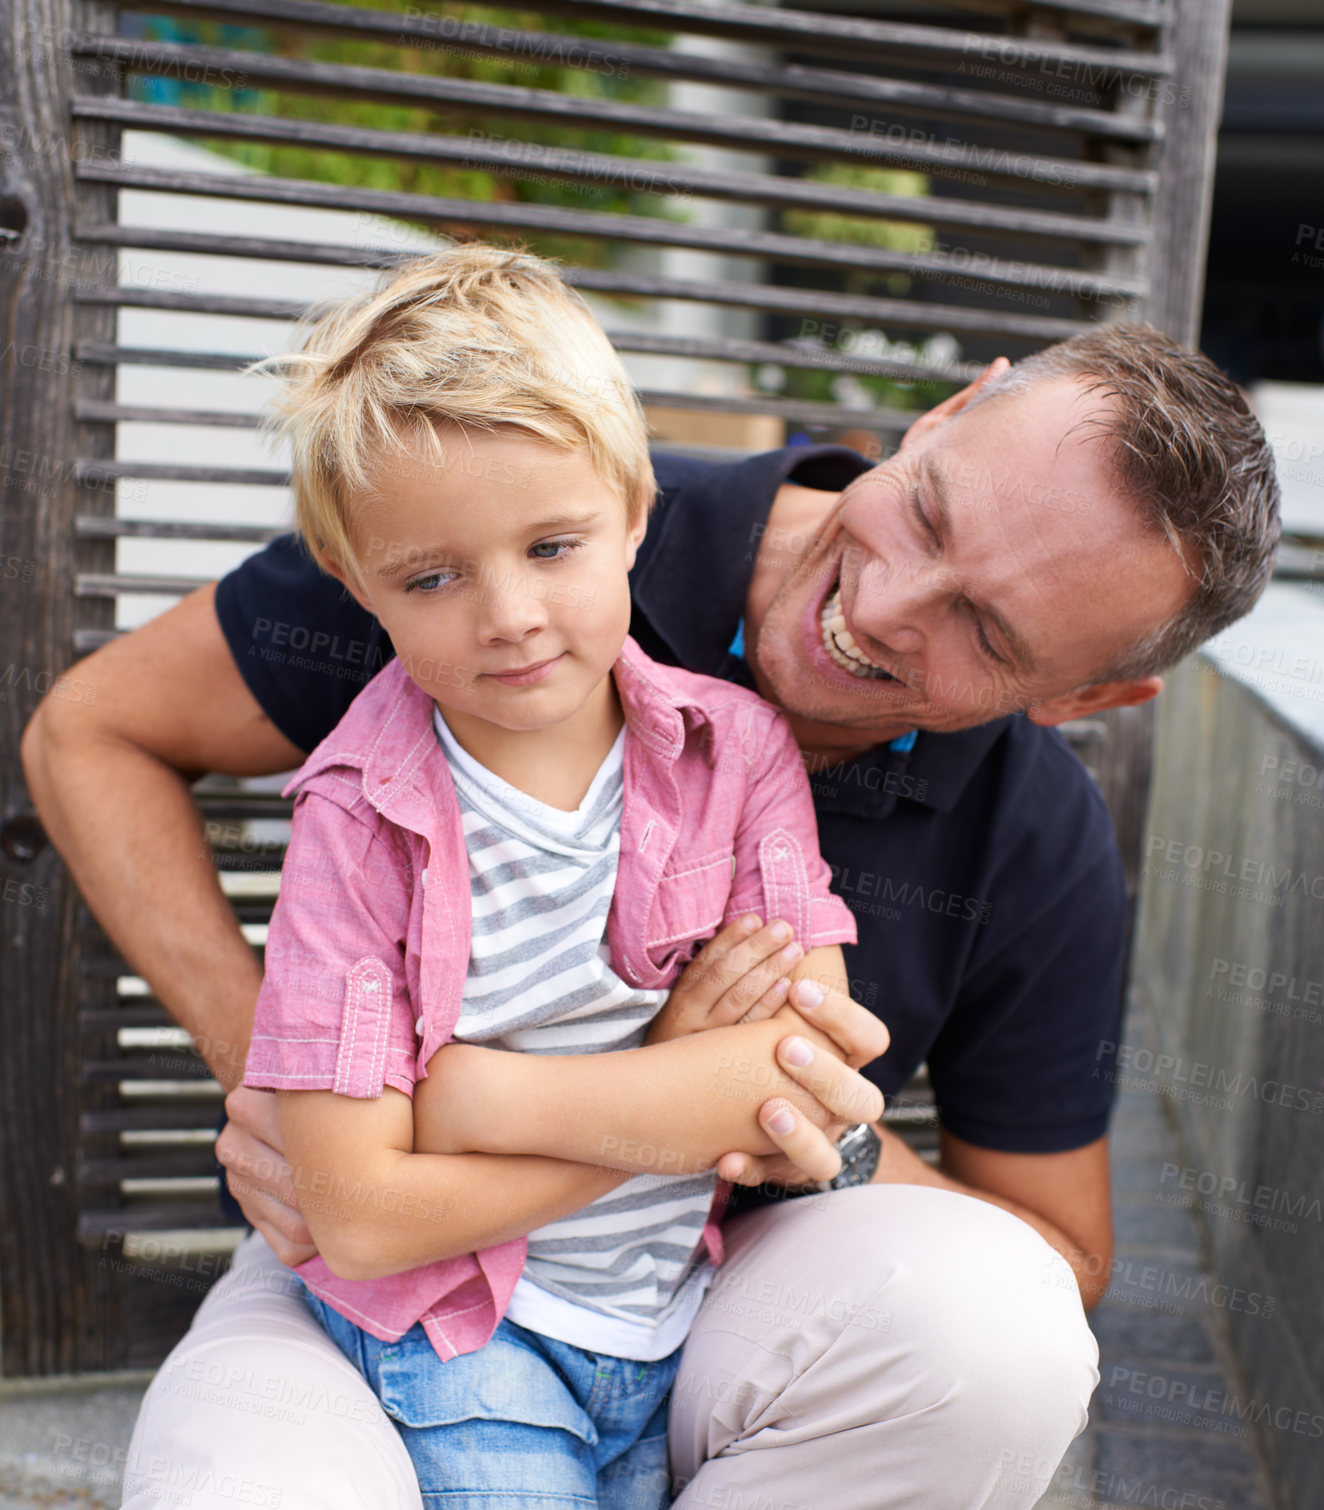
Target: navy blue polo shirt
[[981, 866]]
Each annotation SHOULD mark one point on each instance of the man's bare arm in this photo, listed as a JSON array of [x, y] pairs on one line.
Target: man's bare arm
[[110, 780]]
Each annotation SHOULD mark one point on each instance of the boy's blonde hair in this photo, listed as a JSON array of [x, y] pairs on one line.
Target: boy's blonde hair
[[474, 337]]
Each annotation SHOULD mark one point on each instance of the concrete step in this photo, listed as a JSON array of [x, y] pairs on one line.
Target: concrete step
[[64, 1442]]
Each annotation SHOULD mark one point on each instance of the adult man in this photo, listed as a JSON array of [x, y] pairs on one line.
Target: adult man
[[1045, 541]]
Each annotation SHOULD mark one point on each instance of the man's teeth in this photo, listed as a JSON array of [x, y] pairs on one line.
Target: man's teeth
[[840, 644]]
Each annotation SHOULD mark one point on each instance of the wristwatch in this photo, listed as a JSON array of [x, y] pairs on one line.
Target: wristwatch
[[859, 1147]]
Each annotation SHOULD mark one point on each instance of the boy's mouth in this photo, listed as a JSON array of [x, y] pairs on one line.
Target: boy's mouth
[[520, 676], [840, 644]]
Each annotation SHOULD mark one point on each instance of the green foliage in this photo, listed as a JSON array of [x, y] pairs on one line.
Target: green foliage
[[894, 235], [446, 57], [856, 389]]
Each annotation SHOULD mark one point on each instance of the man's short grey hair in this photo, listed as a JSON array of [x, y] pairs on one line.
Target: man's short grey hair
[[1192, 457]]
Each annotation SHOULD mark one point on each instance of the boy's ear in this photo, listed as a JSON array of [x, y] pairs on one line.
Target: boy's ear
[[635, 538], [349, 584]]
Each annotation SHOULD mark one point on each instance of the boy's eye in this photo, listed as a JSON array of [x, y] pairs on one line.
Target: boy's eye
[[550, 550], [430, 582]]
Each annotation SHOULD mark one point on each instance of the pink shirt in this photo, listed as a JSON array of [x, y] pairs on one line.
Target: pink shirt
[[369, 942]]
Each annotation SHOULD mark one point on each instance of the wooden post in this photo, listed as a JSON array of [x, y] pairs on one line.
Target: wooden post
[[60, 1306], [1197, 38]]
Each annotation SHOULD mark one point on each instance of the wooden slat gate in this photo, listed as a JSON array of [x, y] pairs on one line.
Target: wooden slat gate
[[1046, 165]]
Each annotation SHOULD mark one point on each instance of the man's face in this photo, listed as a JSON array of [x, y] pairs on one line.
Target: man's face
[[991, 564]]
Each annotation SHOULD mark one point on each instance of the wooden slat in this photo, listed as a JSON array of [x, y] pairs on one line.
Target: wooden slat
[[783, 79], [179, 1116], [819, 304], [163, 1064], [1128, 13], [694, 347], [104, 413], [93, 526], [764, 135], [668, 180], [642, 229], [111, 1019], [814, 33], [109, 585], [156, 1216], [107, 1173], [97, 472]]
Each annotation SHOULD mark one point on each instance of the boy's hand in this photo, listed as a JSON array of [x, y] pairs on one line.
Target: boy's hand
[[743, 974]]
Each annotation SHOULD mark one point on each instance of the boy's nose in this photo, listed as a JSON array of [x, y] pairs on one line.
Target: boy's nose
[[510, 612]]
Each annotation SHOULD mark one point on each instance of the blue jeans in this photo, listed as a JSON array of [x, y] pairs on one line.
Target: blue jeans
[[524, 1423]]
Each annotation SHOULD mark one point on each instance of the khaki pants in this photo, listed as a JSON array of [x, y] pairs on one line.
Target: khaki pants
[[885, 1348]]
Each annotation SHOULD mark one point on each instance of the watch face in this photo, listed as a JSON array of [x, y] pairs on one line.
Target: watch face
[[859, 1150]]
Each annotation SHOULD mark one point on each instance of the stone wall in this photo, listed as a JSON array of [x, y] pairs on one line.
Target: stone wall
[[1229, 962]]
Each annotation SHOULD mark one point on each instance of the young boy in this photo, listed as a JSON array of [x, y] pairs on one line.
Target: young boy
[[514, 841]]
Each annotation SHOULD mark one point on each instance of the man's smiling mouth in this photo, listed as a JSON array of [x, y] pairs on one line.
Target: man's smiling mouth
[[841, 646]]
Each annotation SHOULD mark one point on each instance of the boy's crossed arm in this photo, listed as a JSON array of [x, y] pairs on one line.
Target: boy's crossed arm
[[377, 1207], [706, 1083]]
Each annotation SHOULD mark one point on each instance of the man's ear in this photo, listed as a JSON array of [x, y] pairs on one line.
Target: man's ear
[[950, 406], [1087, 700]]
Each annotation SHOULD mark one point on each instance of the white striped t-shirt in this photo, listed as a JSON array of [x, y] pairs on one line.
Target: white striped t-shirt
[[624, 1275]]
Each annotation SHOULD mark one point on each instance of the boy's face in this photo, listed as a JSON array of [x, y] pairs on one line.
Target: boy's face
[[500, 576]]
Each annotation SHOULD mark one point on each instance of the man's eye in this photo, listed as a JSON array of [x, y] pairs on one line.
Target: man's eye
[[922, 519], [984, 643]]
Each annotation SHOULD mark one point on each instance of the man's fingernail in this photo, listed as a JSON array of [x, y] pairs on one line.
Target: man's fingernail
[[781, 930], [750, 924], [810, 994], [797, 1051], [781, 1121]]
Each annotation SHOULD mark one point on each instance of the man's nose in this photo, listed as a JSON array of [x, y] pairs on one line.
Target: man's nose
[[894, 600]]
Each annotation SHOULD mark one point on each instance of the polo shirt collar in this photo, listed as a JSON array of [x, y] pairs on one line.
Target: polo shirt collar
[[691, 584], [692, 578]]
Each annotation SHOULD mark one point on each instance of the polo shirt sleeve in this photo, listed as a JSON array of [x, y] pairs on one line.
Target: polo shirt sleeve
[[334, 1009], [1025, 1062], [303, 646], [779, 872]]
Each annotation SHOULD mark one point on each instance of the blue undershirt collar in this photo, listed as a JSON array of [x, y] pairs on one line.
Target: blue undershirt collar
[[903, 743]]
